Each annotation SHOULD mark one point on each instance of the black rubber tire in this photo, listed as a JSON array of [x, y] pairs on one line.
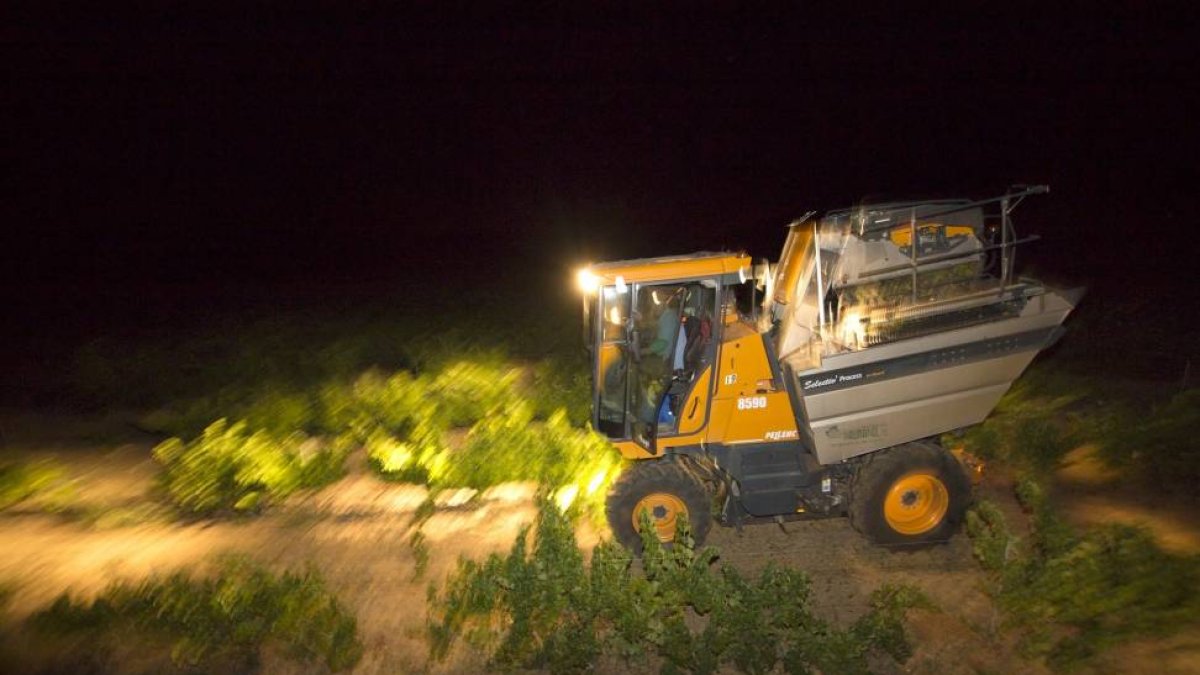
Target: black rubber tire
[[880, 471], [651, 476]]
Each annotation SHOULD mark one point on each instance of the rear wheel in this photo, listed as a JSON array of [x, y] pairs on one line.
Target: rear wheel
[[910, 494], [668, 493]]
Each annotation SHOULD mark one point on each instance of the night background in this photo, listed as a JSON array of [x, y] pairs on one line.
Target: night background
[[245, 212], [149, 149]]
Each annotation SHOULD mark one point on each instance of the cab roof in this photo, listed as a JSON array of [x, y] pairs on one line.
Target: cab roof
[[699, 264]]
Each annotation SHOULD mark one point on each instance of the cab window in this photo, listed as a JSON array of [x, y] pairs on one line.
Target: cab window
[[612, 367]]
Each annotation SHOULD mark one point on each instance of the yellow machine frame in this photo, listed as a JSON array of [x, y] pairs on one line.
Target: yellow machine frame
[[737, 397], [788, 414]]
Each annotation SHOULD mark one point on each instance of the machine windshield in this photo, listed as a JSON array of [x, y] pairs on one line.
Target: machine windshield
[[650, 343]]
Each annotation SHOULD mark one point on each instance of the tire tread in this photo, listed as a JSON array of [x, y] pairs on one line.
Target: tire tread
[[876, 473], [649, 476]]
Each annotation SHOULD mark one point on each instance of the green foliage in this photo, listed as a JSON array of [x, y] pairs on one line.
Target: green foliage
[[395, 378], [884, 625], [373, 404], [938, 284], [460, 393], [1072, 595], [510, 446], [1159, 445], [229, 355], [222, 621], [21, 480], [269, 408], [402, 422], [1051, 536], [1028, 430], [396, 385], [230, 467], [982, 440], [466, 392], [545, 607], [990, 537], [420, 551], [1135, 427], [424, 511], [562, 384], [1040, 443], [281, 412], [394, 419], [578, 465]]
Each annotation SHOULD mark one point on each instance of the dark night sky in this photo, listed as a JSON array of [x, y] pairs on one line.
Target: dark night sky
[[148, 147]]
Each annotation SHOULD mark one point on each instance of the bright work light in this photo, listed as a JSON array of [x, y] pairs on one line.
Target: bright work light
[[587, 282]]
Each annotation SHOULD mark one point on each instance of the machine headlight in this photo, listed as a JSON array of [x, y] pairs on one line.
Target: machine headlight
[[587, 282]]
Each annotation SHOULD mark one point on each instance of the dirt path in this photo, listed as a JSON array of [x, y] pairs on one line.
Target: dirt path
[[1091, 493], [357, 532]]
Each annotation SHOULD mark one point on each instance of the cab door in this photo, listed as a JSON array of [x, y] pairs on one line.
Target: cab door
[[670, 378], [611, 359]]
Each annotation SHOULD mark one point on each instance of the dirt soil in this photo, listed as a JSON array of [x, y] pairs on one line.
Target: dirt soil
[[357, 532], [1091, 493]]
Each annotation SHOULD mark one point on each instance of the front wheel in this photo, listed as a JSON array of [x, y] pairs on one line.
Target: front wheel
[[909, 495], [668, 493]]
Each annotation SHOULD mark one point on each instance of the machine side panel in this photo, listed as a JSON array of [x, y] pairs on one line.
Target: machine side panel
[[769, 476], [750, 406], [854, 421]]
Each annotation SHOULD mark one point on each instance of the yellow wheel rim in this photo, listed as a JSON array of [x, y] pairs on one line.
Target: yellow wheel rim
[[916, 503], [664, 510]]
